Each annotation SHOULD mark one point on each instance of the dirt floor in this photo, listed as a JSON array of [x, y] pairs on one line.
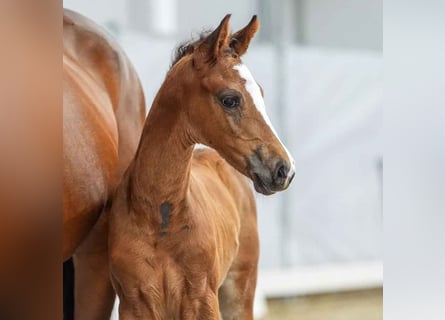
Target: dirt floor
[[358, 305]]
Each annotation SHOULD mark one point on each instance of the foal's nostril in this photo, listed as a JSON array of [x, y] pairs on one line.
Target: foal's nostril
[[280, 174]]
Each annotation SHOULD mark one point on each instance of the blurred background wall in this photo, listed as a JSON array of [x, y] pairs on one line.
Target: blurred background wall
[[348, 24], [320, 64]]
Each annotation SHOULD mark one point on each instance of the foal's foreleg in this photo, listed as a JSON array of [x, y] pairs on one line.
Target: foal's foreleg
[[94, 295], [236, 295]]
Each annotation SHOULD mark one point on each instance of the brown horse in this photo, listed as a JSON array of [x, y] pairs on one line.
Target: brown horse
[[103, 115], [183, 234]]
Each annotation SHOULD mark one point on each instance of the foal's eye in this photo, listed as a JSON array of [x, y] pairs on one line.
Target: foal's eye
[[230, 102]]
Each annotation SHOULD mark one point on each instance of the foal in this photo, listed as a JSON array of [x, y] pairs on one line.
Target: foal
[[183, 234]]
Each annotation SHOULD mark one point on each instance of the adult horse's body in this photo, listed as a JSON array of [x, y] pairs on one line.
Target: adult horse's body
[[183, 234], [103, 114]]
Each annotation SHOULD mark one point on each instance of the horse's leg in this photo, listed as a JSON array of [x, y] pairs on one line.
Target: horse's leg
[[94, 294], [237, 293], [68, 290]]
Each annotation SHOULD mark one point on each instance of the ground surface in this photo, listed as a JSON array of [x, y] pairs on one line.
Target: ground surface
[[359, 305]]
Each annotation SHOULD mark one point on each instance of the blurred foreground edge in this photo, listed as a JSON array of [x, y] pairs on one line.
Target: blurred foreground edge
[[30, 162]]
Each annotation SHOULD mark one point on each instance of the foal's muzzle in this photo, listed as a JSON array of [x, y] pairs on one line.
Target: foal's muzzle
[[270, 176]]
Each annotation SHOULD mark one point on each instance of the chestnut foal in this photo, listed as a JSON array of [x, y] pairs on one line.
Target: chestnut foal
[[183, 234]]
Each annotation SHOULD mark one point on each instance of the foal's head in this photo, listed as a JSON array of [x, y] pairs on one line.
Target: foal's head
[[224, 107]]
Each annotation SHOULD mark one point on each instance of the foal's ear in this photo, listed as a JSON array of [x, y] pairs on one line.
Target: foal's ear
[[241, 39], [213, 45]]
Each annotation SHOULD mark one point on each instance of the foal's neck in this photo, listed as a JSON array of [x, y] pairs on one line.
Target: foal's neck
[[160, 174]]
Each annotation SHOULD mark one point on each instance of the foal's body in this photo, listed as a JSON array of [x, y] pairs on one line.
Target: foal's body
[[183, 265]]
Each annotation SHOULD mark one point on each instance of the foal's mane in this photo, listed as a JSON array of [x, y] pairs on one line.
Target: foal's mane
[[189, 46]]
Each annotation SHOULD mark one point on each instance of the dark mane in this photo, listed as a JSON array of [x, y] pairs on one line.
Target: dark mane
[[187, 47]]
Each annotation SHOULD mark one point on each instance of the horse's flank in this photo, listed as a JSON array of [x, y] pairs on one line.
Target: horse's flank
[[104, 110]]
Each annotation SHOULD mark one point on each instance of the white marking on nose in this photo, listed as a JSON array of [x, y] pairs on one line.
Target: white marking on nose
[[255, 92]]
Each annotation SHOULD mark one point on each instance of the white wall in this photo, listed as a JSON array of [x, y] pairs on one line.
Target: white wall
[[196, 15], [348, 24], [108, 13], [343, 23]]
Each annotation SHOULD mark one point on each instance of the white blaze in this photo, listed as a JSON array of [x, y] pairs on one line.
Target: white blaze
[[255, 92]]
